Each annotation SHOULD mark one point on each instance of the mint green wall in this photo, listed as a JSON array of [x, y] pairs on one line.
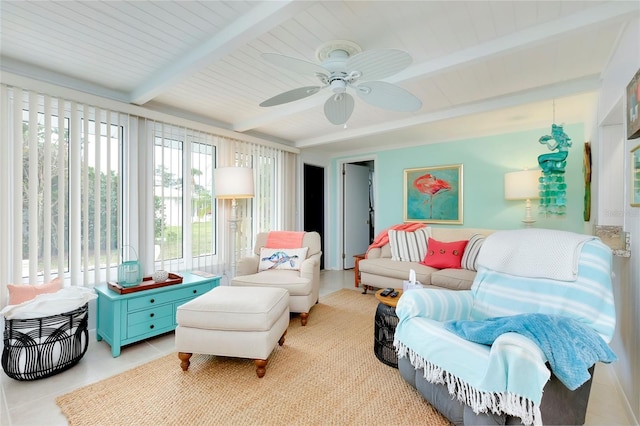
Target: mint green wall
[[485, 160]]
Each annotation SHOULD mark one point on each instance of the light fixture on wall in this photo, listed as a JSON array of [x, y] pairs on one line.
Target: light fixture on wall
[[523, 185], [233, 183]]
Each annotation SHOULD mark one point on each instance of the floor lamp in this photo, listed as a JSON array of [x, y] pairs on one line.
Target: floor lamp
[[233, 183], [523, 185]]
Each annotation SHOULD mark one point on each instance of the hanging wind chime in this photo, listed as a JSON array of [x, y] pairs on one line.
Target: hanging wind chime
[[553, 188]]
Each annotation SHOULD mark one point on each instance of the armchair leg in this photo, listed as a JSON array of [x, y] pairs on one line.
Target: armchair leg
[[184, 358], [303, 318]]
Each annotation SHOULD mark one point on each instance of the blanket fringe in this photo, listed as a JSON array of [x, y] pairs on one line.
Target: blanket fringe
[[479, 401]]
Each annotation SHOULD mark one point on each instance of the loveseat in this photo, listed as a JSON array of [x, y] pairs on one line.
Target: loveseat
[[379, 269]]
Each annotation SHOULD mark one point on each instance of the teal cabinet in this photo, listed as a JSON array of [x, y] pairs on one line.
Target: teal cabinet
[[127, 318]]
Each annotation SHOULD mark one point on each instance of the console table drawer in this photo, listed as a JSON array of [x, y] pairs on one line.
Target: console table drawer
[[144, 302], [150, 314], [150, 327]]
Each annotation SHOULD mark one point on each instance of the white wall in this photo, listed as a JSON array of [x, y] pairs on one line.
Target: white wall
[[613, 174]]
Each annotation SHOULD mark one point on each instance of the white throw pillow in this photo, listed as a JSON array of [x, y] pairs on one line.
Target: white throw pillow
[[277, 258], [409, 246], [470, 257]]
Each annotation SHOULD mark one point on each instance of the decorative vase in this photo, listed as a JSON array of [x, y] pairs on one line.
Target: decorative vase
[[160, 276]]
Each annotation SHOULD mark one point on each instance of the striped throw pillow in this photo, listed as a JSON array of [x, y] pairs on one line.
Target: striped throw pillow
[[470, 256], [409, 246]]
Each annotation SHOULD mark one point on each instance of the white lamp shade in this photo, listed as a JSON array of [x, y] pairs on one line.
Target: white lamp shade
[[233, 182], [522, 185]]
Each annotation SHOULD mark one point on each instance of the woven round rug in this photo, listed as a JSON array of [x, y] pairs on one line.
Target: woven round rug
[[325, 374]]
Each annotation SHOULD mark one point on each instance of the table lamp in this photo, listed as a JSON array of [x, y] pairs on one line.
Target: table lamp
[[523, 185]]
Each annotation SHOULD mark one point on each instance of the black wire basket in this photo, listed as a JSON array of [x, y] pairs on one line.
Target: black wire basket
[[36, 348]]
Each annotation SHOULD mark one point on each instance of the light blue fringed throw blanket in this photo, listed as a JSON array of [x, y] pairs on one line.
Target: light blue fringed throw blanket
[[570, 347]]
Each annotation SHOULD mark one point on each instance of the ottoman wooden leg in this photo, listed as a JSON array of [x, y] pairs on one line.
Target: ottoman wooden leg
[[281, 341], [303, 318], [261, 367], [184, 358]]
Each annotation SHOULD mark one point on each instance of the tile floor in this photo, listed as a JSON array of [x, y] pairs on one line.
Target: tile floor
[[33, 403]]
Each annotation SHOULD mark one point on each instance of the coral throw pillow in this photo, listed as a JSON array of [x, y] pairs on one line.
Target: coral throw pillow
[[19, 293], [443, 255], [281, 258]]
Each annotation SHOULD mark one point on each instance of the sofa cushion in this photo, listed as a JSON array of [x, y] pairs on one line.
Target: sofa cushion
[[281, 258], [471, 251], [408, 246], [289, 280], [453, 279], [400, 270], [442, 255]]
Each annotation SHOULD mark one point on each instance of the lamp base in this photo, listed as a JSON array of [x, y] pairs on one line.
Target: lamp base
[[528, 219]]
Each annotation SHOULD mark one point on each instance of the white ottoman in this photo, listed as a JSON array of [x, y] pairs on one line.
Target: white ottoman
[[242, 322]]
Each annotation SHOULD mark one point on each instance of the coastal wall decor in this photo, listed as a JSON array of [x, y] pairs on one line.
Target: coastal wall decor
[[633, 107], [433, 194], [586, 168], [553, 188], [635, 176]]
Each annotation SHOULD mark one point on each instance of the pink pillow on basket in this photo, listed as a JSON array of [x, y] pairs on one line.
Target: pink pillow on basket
[[443, 255], [19, 293]]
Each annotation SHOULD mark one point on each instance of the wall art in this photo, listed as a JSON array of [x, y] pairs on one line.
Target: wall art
[[433, 194]]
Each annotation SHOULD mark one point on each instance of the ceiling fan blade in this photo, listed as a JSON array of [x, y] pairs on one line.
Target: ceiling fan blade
[[378, 64], [339, 107], [291, 95], [388, 96], [293, 64]]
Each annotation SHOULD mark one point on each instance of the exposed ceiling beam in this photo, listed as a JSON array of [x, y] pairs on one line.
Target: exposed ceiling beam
[[263, 17], [593, 16], [578, 86]]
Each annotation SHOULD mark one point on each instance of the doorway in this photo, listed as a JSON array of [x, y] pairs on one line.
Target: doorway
[[313, 216], [357, 209]]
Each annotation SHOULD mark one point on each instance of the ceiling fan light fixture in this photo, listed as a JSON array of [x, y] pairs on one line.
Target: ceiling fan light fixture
[[343, 65], [338, 86]]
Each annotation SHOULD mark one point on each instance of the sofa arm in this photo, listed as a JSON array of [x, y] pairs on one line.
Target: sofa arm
[[374, 253], [435, 304], [247, 265]]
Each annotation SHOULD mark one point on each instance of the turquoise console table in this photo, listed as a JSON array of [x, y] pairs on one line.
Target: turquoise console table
[[129, 318]]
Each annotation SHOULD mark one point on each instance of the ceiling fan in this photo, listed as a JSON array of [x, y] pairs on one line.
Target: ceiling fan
[[344, 65]]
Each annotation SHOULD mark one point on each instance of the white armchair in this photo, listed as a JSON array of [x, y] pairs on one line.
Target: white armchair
[[303, 284]]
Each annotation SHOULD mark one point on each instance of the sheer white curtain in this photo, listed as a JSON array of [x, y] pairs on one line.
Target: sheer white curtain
[[61, 177]]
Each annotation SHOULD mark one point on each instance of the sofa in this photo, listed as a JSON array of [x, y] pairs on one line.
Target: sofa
[[520, 346], [379, 269]]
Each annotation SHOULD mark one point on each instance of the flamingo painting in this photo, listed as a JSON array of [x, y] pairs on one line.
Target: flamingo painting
[[433, 194], [431, 186]]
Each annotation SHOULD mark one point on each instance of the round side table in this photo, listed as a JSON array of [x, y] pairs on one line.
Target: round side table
[[385, 328]]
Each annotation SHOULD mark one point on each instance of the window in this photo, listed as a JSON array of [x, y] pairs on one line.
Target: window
[[184, 221], [68, 191]]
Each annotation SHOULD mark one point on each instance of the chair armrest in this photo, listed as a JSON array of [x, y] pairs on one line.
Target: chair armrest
[[435, 304], [247, 265], [310, 266]]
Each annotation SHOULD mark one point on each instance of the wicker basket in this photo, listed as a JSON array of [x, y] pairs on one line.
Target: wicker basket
[[41, 347]]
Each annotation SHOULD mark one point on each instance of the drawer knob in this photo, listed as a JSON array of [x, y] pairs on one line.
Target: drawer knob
[[151, 326], [152, 300], [152, 315], [195, 291]]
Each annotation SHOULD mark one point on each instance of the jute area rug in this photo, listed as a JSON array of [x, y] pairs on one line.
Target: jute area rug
[[325, 374]]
